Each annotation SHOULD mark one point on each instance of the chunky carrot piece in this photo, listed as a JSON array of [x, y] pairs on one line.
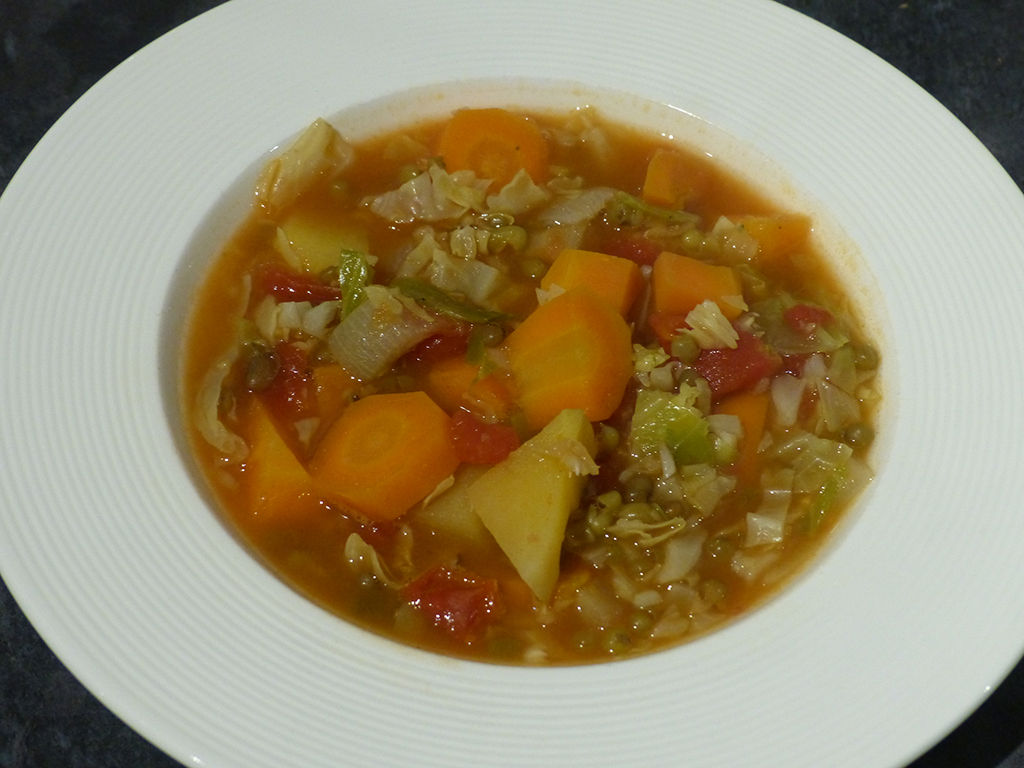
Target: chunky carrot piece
[[751, 408], [614, 279], [447, 380], [575, 352], [455, 383], [674, 179], [384, 454], [777, 234], [275, 480], [680, 283], [495, 144], [334, 390], [666, 326]]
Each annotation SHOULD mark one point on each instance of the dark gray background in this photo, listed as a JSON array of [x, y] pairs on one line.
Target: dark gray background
[[967, 54]]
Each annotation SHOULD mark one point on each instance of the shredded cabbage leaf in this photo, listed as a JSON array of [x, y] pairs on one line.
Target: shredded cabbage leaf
[[646, 359], [751, 563], [834, 382], [703, 487], [364, 559], [767, 524], [663, 418], [710, 328], [319, 151], [787, 394], [207, 410], [648, 533], [278, 321], [476, 280], [518, 196], [577, 208], [787, 341], [734, 242], [726, 430], [435, 195], [681, 554]]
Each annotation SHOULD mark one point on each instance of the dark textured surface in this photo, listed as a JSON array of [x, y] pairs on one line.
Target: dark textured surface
[[968, 54]]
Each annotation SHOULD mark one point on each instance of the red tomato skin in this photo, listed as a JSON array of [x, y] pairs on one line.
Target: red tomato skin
[[456, 600], [450, 341], [290, 286], [633, 247], [734, 370], [806, 318], [291, 394], [479, 442]]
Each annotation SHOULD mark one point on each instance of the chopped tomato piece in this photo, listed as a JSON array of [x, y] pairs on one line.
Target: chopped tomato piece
[[291, 286], [633, 247], [478, 442], [451, 341], [455, 600], [734, 370], [806, 318], [291, 394]]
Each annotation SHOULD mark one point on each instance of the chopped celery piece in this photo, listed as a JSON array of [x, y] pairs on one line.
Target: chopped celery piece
[[815, 460], [664, 418], [625, 207], [842, 369], [822, 501], [821, 469], [354, 273], [444, 303], [482, 337]]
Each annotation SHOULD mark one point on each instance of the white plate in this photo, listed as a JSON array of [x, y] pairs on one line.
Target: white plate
[[105, 541]]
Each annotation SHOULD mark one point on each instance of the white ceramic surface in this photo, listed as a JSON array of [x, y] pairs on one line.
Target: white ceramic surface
[[910, 619]]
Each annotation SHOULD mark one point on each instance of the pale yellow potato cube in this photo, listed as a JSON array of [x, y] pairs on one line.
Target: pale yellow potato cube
[[525, 501], [450, 514], [315, 239]]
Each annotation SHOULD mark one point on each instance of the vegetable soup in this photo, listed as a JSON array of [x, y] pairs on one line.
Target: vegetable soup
[[526, 388]]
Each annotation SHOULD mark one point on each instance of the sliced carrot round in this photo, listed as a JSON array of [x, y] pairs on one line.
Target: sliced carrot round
[[495, 144], [573, 352], [384, 454]]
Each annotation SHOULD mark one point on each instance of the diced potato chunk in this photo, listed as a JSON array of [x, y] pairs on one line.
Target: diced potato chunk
[[318, 152], [317, 239], [525, 501], [450, 513]]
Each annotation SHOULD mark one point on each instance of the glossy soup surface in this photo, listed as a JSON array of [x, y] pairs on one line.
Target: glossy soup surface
[[526, 388]]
